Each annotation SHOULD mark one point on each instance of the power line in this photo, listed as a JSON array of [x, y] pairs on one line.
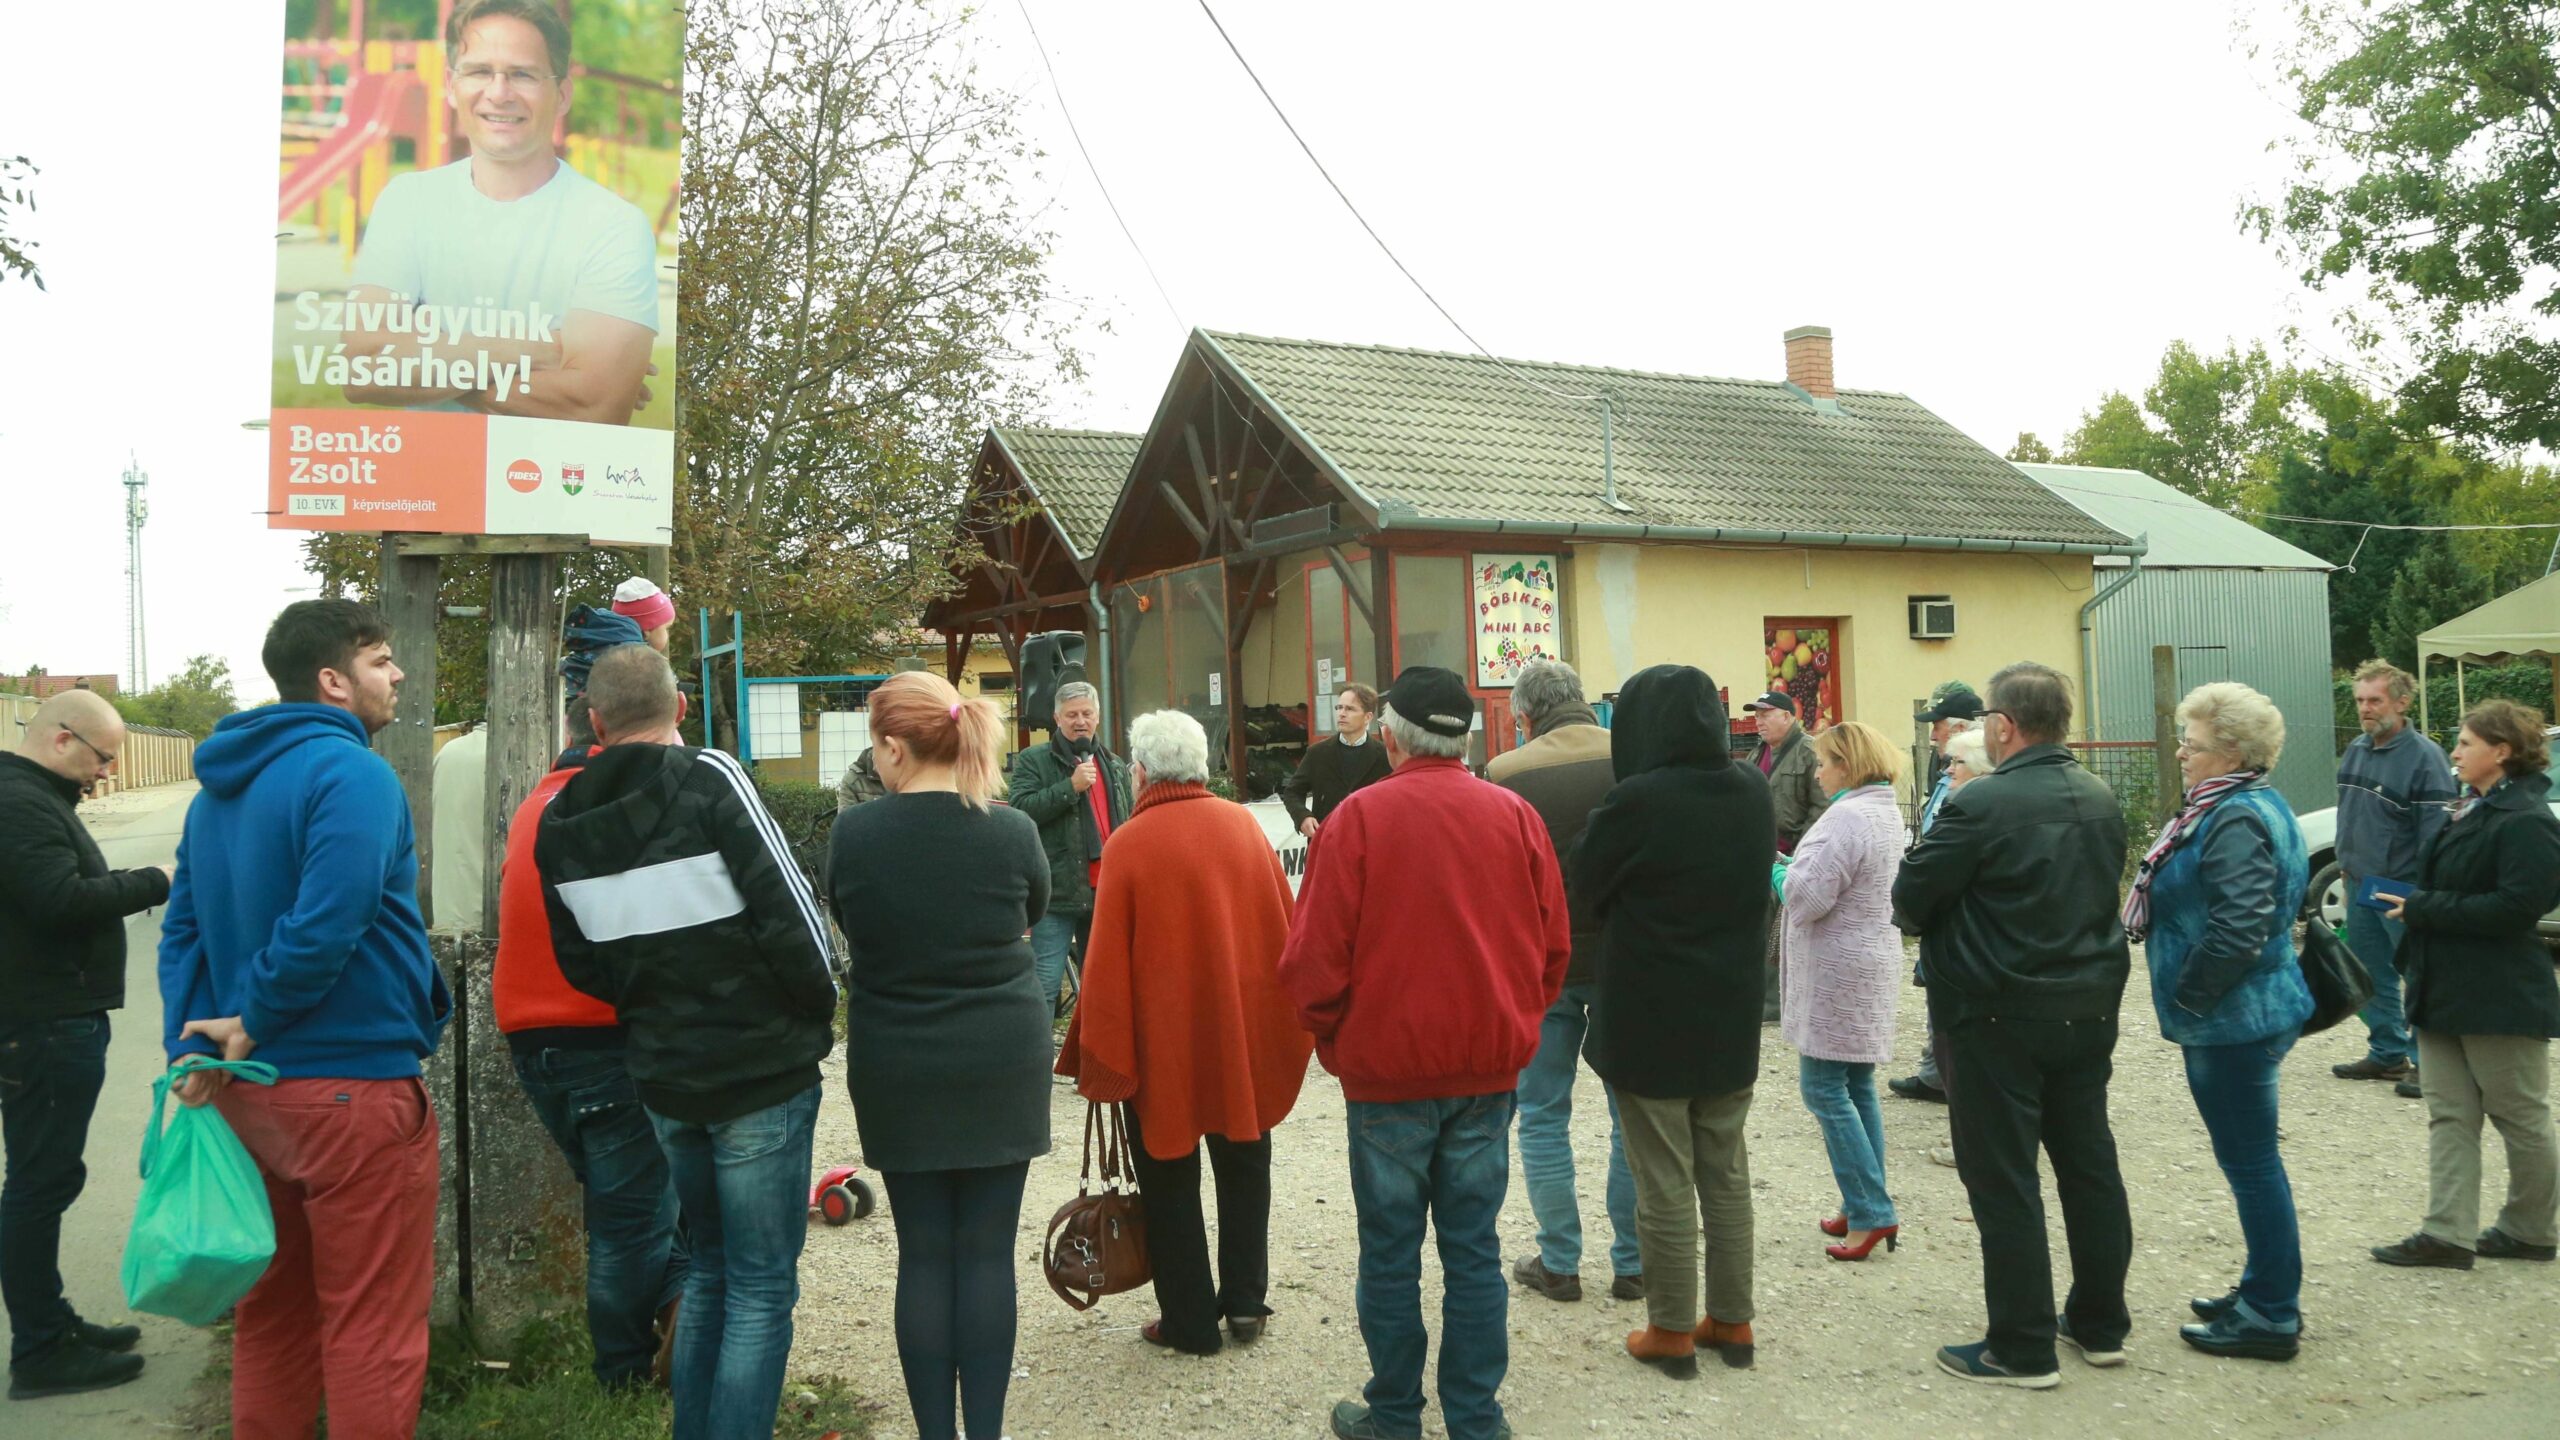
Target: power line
[[1094, 170], [2240, 514], [1383, 247]]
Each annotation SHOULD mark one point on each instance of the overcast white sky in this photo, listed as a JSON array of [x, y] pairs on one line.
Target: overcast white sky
[[2003, 210]]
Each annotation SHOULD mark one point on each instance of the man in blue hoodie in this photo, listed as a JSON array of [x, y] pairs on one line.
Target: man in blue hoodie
[[293, 935]]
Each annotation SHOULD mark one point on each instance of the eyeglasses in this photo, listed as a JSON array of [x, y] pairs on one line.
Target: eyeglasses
[[477, 77], [103, 757]]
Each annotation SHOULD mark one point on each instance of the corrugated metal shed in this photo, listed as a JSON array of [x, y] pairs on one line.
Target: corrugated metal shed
[[2182, 529], [2238, 604]]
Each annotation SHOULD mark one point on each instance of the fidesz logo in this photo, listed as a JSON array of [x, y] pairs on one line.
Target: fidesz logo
[[524, 477], [573, 478]]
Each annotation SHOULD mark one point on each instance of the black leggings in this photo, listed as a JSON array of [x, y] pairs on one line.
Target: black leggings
[[955, 1292]]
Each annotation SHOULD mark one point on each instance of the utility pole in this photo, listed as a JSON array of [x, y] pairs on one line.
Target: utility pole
[[136, 510]]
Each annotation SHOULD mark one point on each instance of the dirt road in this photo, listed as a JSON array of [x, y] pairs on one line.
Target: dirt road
[[1844, 1349]]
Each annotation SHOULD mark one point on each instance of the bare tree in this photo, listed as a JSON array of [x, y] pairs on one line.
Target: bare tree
[[863, 293]]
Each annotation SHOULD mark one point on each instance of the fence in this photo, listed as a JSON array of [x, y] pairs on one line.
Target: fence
[[151, 756]]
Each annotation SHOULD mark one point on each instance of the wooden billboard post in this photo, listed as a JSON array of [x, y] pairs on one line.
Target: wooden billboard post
[[511, 1221]]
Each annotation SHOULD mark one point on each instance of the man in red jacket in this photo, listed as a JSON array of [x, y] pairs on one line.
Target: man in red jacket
[[1431, 938], [568, 1051]]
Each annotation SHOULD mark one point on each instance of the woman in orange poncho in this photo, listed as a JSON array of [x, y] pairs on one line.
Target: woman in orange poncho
[[1181, 1016]]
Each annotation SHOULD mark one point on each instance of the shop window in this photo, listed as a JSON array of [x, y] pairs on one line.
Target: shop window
[[1431, 614], [1197, 621]]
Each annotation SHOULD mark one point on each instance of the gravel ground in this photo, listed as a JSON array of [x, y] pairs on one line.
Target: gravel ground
[[1843, 1349]]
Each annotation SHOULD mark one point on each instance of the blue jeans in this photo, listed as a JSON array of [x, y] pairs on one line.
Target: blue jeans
[[50, 1075], [1928, 1071], [636, 1259], [2235, 1090], [1842, 1097], [1546, 1146], [2375, 938], [1444, 1163], [1052, 936], [744, 1184]]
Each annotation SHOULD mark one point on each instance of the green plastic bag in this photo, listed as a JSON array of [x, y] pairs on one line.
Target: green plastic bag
[[202, 1233]]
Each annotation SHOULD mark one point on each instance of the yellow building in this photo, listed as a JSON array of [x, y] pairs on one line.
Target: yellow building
[[1300, 515]]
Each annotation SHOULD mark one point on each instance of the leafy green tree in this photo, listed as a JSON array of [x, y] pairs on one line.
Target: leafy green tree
[[2029, 450], [2214, 426], [2363, 463], [2428, 185], [2431, 588], [17, 255], [193, 700]]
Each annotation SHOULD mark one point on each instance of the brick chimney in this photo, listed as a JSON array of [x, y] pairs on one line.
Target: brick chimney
[[1809, 361]]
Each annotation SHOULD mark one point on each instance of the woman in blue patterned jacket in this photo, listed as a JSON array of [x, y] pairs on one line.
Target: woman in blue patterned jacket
[[2214, 903]]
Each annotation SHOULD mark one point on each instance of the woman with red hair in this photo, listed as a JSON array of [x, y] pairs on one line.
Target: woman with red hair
[[946, 1036]]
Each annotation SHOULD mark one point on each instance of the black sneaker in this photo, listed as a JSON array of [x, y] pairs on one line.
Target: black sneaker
[[2497, 1244], [2216, 1308], [2370, 1068], [1975, 1362], [2103, 1359], [113, 1338], [1627, 1287], [1912, 1087], [1532, 1271], [2424, 1249], [2231, 1339], [2408, 1089], [1352, 1421], [68, 1367]]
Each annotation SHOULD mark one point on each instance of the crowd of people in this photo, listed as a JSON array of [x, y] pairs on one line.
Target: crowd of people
[[1635, 894]]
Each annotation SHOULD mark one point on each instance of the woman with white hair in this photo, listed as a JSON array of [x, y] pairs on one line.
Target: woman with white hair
[[1968, 760], [1182, 1018], [2213, 904]]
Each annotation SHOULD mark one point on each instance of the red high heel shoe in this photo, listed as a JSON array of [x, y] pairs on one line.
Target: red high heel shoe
[[1891, 1235], [1837, 1227]]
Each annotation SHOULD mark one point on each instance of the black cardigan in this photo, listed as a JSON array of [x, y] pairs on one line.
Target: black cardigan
[[2475, 961], [1331, 771], [1675, 867]]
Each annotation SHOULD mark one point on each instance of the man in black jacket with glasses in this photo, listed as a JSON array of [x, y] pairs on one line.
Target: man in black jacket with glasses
[[62, 966], [2015, 890]]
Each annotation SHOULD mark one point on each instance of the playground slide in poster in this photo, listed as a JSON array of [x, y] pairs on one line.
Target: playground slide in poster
[[475, 281]]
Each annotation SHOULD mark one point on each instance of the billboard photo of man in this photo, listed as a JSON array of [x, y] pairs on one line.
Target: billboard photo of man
[[534, 286]]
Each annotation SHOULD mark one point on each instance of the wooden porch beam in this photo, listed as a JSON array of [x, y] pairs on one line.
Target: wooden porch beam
[[1240, 620], [1182, 512], [1352, 584]]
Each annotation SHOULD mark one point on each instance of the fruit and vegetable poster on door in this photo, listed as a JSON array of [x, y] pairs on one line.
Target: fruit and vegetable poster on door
[[1803, 661], [1514, 598]]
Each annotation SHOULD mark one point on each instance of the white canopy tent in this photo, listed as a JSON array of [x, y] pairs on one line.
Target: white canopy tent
[[2521, 624]]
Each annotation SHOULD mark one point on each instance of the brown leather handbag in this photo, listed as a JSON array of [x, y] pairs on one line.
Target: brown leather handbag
[[1097, 1243]]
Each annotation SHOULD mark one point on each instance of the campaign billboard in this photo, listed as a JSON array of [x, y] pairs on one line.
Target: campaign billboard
[[475, 312]]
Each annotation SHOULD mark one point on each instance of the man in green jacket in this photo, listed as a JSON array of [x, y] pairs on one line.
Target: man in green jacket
[[1076, 792], [1786, 757]]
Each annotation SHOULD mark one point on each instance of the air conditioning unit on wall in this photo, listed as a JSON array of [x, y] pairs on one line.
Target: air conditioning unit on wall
[[1933, 617]]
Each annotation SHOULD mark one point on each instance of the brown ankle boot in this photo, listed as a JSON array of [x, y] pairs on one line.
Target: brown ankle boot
[[1670, 1351], [1730, 1339]]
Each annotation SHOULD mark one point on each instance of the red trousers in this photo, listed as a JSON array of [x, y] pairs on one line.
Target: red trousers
[[351, 1170]]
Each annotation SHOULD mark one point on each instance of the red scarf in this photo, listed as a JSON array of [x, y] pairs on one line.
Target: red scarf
[[1099, 798]]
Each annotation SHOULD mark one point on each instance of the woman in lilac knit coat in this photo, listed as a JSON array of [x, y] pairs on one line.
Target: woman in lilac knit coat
[[1844, 970]]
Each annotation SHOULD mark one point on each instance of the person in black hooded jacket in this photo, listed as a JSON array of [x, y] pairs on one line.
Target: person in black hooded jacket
[[1675, 867], [674, 898]]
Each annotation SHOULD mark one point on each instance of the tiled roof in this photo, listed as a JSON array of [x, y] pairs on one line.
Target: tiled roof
[[1428, 436], [1076, 473], [2185, 532]]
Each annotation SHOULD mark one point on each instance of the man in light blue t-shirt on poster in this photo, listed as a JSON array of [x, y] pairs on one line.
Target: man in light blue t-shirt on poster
[[508, 254]]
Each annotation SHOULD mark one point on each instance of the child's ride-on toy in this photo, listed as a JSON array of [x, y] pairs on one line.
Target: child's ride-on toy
[[841, 1195]]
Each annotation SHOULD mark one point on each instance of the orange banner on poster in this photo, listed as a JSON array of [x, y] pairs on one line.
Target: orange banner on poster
[[378, 470]]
